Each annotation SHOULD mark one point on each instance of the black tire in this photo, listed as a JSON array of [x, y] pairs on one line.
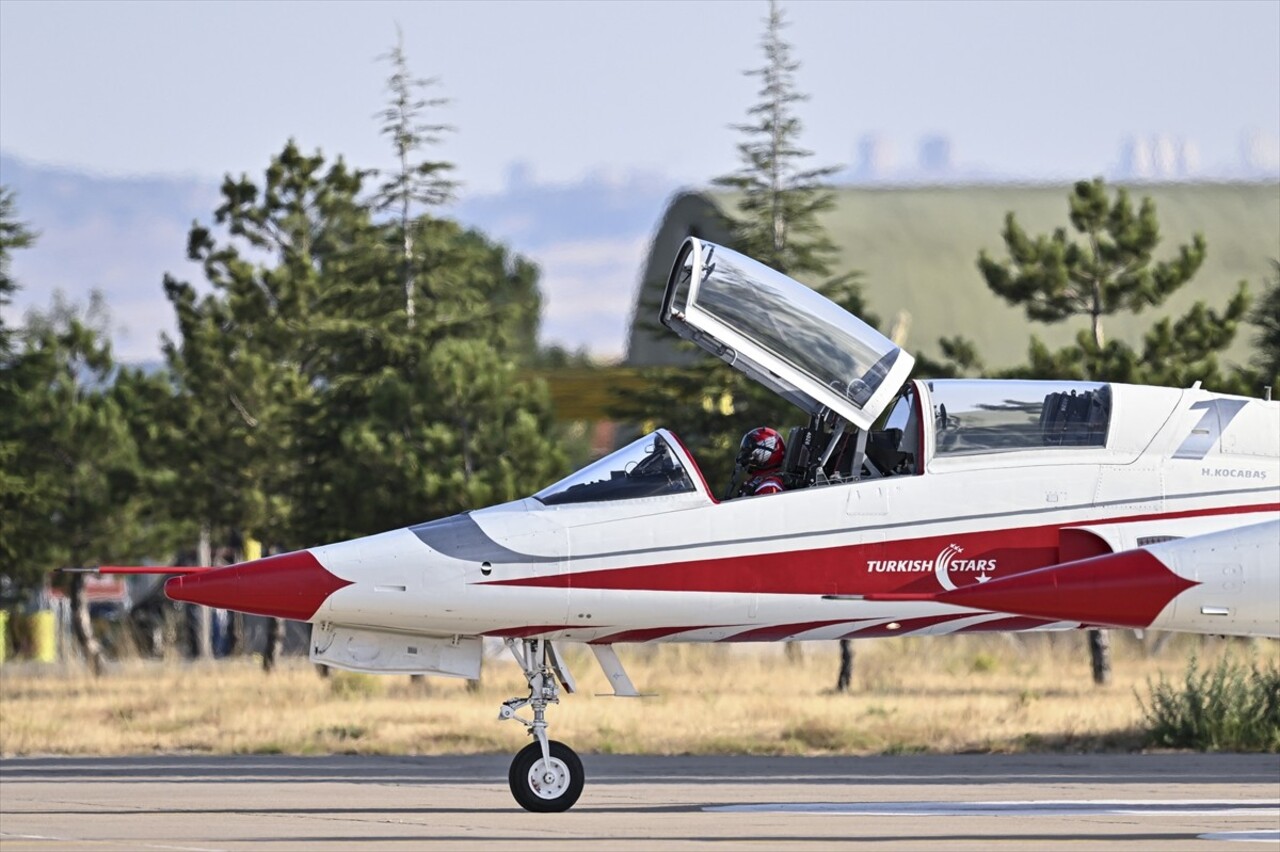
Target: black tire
[[562, 795]]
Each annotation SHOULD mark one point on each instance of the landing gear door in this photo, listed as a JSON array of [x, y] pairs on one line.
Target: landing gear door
[[782, 334]]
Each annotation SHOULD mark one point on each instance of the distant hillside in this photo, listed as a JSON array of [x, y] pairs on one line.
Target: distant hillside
[[918, 248], [122, 234]]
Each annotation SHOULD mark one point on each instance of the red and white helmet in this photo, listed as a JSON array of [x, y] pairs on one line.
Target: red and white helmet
[[762, 449]]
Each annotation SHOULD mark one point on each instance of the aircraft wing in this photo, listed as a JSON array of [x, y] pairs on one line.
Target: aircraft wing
[[1225, 582]]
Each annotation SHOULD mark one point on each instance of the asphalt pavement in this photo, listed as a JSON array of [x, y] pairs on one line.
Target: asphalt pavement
[[178, 802]]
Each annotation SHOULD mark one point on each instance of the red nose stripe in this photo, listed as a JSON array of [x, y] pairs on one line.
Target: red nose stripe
[[291, 585], [1127, 589]]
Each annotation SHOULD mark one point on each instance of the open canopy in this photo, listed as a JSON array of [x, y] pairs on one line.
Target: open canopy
[[781, 333]]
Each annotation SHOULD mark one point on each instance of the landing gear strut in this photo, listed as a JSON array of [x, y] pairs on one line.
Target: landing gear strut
[[546, 776]]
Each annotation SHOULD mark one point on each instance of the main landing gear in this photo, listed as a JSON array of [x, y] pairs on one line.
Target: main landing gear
[[546, 775]]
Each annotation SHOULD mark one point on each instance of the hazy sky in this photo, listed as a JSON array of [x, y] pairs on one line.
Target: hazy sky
[[1035, 88]]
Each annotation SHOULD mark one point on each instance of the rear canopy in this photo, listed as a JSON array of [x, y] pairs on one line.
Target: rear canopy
[[781, 333]]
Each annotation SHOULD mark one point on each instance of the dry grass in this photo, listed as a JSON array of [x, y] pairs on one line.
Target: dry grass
[[969, 693]]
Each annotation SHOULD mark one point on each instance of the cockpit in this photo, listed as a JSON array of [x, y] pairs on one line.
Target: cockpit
[[951, 418], [865, 419], [973, 417]]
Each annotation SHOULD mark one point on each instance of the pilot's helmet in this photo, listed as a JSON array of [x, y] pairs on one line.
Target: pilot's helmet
[[762, 449]]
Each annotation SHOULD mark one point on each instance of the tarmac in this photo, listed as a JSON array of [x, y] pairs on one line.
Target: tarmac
[[197, 802]]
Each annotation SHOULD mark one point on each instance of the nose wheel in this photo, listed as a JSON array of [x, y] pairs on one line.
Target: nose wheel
[[546, 785], [546, 775]]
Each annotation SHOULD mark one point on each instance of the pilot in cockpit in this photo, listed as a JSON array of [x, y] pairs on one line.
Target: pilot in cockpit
[[761, 456]]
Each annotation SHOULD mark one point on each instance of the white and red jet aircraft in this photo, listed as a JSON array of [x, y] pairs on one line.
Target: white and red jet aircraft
[[915, 507]]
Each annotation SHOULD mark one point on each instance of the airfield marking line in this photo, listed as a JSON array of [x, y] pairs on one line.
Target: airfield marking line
[[92, 842], [1264, 836], [1029, 808]]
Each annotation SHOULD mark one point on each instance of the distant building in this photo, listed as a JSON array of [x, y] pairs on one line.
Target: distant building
[[1135, 159], [876, 162], [874, 159], [1260, 154], [1164, 157], [1167, 157], [519, 175], [935, 156], [1188, 159], [1161, 157]]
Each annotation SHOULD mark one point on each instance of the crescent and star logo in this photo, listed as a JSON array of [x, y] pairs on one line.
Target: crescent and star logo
[[947, 561]]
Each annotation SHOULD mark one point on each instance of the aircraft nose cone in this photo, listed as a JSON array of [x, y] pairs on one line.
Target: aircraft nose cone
[[290, 585]]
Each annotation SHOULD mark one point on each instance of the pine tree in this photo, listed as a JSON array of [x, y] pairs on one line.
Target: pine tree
[[779, 201], [14, 234], [250, 350], [423, 182], [1267, 317], [76, 457], [777, 222], [1107, 267], [307, 384], [18, 493]]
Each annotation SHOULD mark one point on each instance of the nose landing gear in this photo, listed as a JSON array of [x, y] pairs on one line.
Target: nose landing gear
[[546, 775]]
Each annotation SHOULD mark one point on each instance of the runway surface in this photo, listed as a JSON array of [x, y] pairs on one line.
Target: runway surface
[[1165, 801]]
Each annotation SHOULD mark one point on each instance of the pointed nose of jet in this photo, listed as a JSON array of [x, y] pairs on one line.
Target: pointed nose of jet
[[290, 585]]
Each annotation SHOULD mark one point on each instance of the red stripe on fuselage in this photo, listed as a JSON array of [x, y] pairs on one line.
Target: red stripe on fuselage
[[850, 569]]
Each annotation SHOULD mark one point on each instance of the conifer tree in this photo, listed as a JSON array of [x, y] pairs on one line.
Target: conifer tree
[[1108, 266], [1267, 317], [779, 200], [76, 457], [14, 234], [309, 387], [416, 181], [781, 197], [776, 221], [17, 492]]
